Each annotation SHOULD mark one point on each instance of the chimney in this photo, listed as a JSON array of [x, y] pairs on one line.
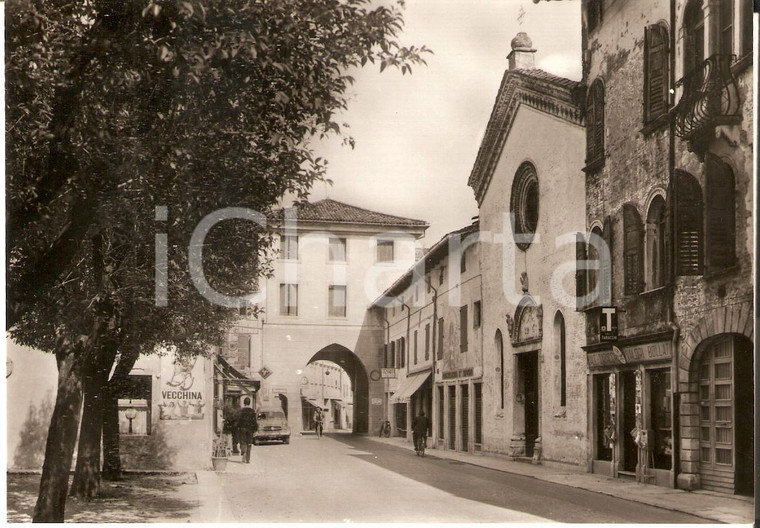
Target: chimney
[[521, 56]]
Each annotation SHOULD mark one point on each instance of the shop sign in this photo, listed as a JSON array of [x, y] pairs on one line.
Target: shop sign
[[608, 324], [388, 373], [461, 373], [377, 401], [182, 394], [630, 354]]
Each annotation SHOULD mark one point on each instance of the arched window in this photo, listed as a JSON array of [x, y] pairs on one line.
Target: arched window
[[595, 125], [595, 266], [721, 215], [694, 36], [655, 244], [559, 343], [632, 250], [499, 342], [688, 218]]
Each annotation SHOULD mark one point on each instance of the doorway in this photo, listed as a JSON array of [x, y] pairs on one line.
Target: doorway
[[630, 451], [527, 366]]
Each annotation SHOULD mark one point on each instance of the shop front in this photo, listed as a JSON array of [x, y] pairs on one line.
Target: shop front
[[632, 410], [412, 395], [459, 410]]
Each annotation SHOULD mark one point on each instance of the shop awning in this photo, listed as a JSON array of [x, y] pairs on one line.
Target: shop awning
[[309, 402], [409, 386], [233, 377]]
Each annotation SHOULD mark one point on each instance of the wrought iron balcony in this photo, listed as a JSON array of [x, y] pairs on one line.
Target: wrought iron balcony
[[710, 97]]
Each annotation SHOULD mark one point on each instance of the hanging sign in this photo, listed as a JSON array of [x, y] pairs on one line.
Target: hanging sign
[[608, 324]]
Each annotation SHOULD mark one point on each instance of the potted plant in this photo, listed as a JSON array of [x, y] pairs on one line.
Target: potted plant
[[219, 454]]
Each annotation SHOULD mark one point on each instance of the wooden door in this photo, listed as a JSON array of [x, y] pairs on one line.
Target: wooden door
[[716, 424]]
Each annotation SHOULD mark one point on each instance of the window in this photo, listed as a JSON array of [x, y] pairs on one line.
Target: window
[[289, 247], [632, 249], [386, 359], [660, 399], [559, 340], [499, 343], [243, 350], [524, 205], [134, 404], [746, 21], [427, 342], [385, 250], [594, 14], [463, 329], [441, 275], [337, 301], [720, 222], [694, 36], [337, 249], [595, 125], [688, 218], [288, 299], [655, 244], [393, 354], [581, 271], [476, 314], [402, 353], [463, 262], [415, 347], [726, 21], [428, 282], [656, 73], [600, 262], [440, 338]]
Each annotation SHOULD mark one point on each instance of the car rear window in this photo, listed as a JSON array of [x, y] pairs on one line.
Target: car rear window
[[268, 415]]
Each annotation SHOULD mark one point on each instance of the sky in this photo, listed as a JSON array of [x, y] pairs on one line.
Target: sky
[[417, 136]]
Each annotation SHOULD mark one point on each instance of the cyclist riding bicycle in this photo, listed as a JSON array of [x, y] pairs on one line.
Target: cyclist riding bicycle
[[420, 428]]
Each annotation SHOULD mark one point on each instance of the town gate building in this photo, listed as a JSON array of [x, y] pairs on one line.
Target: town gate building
[[669, 198], [529, 184], [331, 261]]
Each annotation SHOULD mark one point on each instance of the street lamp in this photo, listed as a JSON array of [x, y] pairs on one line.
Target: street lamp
[[131, 414]]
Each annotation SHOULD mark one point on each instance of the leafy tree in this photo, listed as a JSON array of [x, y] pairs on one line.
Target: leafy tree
[[115, 108], [31, 446]]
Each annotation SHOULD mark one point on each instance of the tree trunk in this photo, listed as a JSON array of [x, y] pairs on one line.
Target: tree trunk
[[62, 435], [86, 483], [111, 452]]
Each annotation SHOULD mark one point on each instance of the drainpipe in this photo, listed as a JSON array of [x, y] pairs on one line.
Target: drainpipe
[[386, 404], [676, 401], [435, 355], [405, 357]]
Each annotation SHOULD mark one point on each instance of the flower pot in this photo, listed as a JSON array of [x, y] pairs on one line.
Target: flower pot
[[219, 463]]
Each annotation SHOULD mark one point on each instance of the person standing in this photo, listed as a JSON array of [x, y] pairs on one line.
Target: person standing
[[245, 427], [319, 421]]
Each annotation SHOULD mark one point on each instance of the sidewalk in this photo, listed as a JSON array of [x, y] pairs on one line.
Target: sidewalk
[[709, 505]]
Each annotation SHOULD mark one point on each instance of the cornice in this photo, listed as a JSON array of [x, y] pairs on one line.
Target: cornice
[[554, 96]]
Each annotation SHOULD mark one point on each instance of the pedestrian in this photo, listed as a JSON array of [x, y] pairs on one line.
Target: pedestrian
[[245, 427], [318, 422], [420, 428], [228, 428]]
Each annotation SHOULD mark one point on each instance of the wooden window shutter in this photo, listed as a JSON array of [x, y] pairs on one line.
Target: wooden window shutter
[[633, 246], [244, 350], [595, 123], [721, 211], [655, 72], [605, 272], [590, 123], [688, 218], [580, 271]]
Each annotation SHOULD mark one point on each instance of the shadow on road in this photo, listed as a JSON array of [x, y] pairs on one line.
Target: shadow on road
[[507, 490]]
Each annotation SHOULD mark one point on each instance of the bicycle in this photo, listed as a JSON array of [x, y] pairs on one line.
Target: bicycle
[[385, 429], [420, 445]]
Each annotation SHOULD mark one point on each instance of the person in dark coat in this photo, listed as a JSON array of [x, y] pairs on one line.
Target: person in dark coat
[[420, 428], [245, 427], [228, 429]]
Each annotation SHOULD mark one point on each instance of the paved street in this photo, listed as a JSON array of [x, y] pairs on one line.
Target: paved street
[[342, 478]]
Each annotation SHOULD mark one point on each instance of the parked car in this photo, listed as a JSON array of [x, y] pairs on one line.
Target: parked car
[[273, 427]]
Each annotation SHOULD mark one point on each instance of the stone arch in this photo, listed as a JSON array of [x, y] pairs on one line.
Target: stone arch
[[734, 319], [354, 367]]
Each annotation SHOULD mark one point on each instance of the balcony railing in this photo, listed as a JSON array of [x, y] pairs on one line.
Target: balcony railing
[[710, 97]]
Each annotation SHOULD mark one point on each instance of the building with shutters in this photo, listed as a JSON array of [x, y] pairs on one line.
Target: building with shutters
[[529, 185], [668, 171], [433, 360], [331, 260]]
